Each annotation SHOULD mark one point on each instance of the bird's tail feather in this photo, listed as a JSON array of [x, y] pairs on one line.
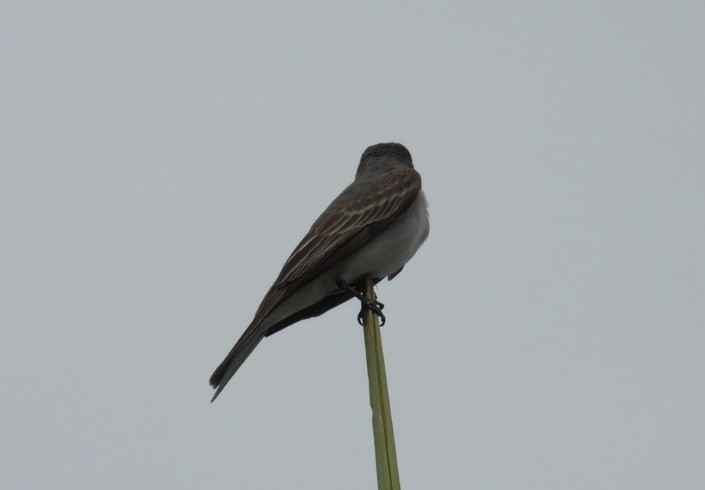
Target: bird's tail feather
[[242, 350]]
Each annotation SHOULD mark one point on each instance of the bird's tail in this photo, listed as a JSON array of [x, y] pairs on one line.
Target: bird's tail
[[232, 362]]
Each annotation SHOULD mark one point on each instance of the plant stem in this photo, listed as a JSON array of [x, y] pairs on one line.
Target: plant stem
[[383, 432]]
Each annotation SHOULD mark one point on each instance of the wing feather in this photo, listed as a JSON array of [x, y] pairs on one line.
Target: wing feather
[[352, 220]]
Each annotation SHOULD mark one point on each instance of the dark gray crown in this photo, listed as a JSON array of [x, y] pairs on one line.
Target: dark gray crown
[[381, 151]]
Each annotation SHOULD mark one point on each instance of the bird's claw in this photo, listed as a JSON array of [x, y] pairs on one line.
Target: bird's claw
[[373, 306], [367, 304]]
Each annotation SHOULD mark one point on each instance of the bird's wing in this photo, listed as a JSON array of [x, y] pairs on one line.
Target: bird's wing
[[360, 213]]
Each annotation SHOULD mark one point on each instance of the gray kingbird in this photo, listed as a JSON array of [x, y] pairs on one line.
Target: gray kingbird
[[371, 229]]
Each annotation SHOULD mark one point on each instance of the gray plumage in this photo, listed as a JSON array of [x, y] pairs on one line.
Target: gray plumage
[[371, 229]]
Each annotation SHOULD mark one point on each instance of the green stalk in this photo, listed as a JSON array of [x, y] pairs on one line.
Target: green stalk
[[383, 432]]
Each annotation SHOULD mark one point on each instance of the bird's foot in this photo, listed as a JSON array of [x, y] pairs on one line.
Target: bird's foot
[[367, 304], [373, 306]]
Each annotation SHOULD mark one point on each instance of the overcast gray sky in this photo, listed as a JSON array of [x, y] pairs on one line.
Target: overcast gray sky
[[160, 160]]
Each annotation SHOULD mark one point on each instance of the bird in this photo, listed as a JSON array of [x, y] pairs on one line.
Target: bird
[[372, 229]]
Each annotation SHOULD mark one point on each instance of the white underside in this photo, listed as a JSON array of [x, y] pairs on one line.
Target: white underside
[[383, 256], [388, 253]]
